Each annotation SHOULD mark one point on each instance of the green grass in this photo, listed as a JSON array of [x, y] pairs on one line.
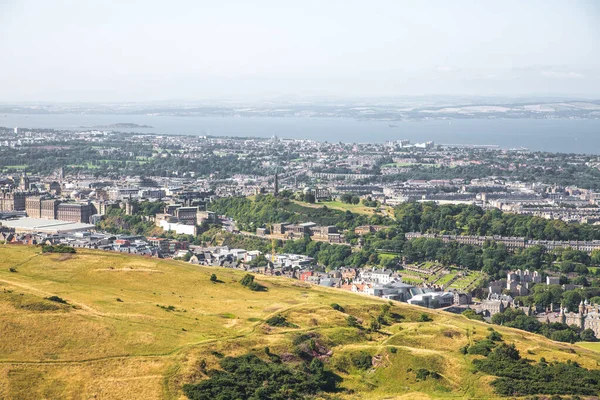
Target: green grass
[[355, 208], [595, 346], [446, 278], [387, 256], [169, 318]]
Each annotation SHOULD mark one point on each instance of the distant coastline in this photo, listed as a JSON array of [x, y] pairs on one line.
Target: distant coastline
[[561, 135], [120, 125]]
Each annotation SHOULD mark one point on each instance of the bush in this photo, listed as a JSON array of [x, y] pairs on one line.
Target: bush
[[471, 314], [352, 321], [248, 281], [249, 377], [423, 374], [483, 347], [279, 321], [375, 325], [424, 318], [56, 299], [587, 335], [337, 307], [495, 336], [520, 377], [60, 248], [213, 278], [362, 360]]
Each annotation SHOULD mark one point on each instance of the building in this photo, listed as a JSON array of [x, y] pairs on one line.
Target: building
[[207, 216], [161, 243], [12, 201], [186, 215], [24, 186], [53, 226], [432, 299], [33, 206], [587, 317], [74, 212], [49, 208]]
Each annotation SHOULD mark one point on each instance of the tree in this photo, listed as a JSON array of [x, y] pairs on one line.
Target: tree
[[213, 278], [587, 335], [571, 300], [375, 325], [346, 198]]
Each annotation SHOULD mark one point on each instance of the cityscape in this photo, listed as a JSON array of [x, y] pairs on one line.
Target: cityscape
[[312, 200]]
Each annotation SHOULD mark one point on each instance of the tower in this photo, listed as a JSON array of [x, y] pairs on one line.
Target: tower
[[24, 183], [276, 184]]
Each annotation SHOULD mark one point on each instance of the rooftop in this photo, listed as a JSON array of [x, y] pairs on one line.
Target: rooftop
[[46, 225]]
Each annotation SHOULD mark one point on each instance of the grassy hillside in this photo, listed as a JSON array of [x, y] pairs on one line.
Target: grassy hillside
[[136, 328]]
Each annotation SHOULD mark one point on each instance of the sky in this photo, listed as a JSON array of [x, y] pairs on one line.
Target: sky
[[111, 51]]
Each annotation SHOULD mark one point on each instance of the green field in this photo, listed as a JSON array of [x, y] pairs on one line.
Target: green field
[[138, 328]]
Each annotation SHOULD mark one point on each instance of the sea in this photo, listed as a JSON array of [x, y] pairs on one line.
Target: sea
[[554, 135]]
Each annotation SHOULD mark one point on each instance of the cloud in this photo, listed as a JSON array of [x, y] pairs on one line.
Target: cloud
[[443, 68], [561, 75]]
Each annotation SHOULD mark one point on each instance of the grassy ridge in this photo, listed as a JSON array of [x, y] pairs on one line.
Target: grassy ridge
[[135, 327]]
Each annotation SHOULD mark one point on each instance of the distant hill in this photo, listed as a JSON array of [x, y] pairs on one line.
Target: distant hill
[[112, 326]]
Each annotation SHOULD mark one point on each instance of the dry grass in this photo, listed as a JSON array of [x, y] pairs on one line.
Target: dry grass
[[96, 346]]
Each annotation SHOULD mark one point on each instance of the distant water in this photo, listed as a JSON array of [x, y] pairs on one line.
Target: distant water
[[558, 135]]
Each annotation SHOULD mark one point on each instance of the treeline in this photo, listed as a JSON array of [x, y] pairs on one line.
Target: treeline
[[473, 220], [495, 259], [265, 210]]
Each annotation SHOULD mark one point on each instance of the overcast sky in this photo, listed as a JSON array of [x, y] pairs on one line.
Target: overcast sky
[[118, 50]]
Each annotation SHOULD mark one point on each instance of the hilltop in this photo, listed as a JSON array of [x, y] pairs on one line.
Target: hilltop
[[113, 326]]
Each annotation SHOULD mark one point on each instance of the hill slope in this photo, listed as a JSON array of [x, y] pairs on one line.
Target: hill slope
[[135, 328]]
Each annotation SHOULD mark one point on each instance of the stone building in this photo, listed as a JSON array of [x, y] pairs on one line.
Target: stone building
[[586, 317], [33, 206], [12, 201], [74, 212]]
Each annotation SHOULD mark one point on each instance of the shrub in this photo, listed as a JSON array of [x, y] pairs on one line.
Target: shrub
[[423, 374], [520, 377], [248, 377], [56, 299], [375, 325], [248, 281], [471, 314], [60, 248], [424, 318], [352, 321], [280, 321], [483, 347], [213, 278], [362, 360], [587, 335], [337, 307], [495, 336]]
